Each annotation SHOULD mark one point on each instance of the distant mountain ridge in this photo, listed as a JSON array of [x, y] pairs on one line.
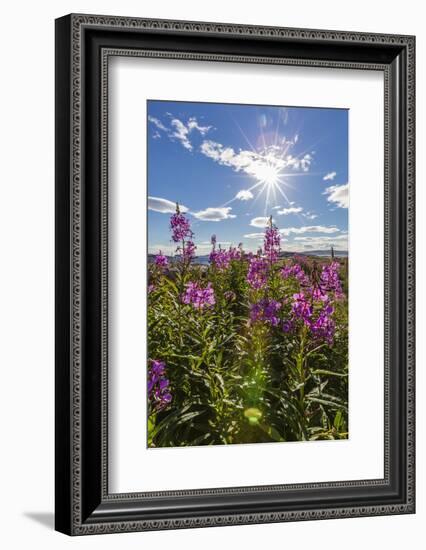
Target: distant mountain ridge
[[204, 258]]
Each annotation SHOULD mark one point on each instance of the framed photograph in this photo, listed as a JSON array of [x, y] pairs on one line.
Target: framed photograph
[[234, 274]]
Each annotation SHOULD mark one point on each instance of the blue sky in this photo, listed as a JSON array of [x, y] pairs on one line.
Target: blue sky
[[232, 166]]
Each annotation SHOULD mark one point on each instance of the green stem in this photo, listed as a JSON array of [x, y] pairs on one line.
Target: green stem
[[300, 360], [181, 287]]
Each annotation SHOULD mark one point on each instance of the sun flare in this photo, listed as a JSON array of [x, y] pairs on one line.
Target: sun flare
[[270, 185], [268, 174]]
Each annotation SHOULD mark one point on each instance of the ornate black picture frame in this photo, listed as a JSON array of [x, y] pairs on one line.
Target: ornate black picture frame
[[83, 45]]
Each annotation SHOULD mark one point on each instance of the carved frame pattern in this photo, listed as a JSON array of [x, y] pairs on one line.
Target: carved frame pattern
[[76, 524]]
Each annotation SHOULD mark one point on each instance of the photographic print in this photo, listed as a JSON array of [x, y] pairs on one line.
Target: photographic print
[[247, 274]]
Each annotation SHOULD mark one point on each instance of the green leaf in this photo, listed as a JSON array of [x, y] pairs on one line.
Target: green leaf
[[171, 284], [329, 373], [338, 420], [332, 404]]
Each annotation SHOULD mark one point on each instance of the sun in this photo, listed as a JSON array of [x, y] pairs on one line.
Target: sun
[[270, 184], [268, 174]]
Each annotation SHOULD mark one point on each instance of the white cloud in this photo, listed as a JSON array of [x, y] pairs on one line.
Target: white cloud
[[261, 222], [244, 195], [157, 123], [166, 249], [305, 162], [202, 248], [221, 243], [291, 210], [264, 164], [338, 194], [330, 176], [181, 133], [193, 125], [214, 214], [343, 237], [338, 242], [309, 229], [180, 130], [310, 215], [258, 238], [164, 206], [170, 248], [306, 243]]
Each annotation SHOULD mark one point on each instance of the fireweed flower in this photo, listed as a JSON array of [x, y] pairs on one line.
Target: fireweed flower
[[235, 253], [330, 279], [319, 295], [295, 271], [271, 244], [267, 311], [323, 327], [288, 325], [199, 297], [181, 233], [287, 271], [151, 288], [318, 321], [257, 272], [180, 226], [188, 250], [158, 386], [220, 258], [161, 260], [301, 308], [213, 240], [313, 305]]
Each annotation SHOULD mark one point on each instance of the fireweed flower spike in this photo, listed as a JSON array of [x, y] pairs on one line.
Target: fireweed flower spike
[[271, 245], [220, 258], [323, 327], [267, 311], [180, 226], [301, 307], [319, 321], [330, 278], [158, 386], [257, 272], [189, 249]]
